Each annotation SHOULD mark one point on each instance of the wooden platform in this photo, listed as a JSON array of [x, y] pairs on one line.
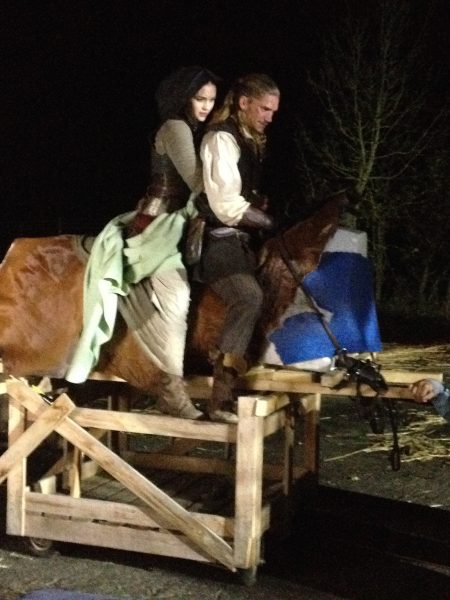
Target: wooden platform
[[161, 485]]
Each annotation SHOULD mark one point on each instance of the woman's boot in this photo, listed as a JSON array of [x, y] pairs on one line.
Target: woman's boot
[[174, 400]]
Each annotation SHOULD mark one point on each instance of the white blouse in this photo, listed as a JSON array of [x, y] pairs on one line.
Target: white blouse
[[220, 154]]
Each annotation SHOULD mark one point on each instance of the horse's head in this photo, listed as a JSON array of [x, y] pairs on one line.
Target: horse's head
[[304, 243], [306, 239]]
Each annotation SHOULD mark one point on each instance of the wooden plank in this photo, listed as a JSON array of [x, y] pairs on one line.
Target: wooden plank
[[102, 534], [93, 483], [34, 435], [289, 443], [155, 425], [248, 495], [166, 510], [311, 405], [15, 507], [188, 464], [408, 377], [294, 376], [392, 377], [198, 464], [274, 422], [74, 473], [269, 374], [396, 392], [58, 505], [303, 382], [200, 386], [265, 406], [180, 446]]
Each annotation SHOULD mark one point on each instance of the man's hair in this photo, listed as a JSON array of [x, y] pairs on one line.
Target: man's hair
[[254, 85]]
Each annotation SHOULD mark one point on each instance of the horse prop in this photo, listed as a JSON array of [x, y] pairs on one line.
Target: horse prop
[[41, 305]]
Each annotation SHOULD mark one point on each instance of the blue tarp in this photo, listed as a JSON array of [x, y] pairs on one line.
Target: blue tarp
[[342, 285]]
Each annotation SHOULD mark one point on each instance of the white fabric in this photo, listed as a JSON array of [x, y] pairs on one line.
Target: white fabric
[[348, 240], [168, 324], [163, 333], [175, 139], [220, 154]]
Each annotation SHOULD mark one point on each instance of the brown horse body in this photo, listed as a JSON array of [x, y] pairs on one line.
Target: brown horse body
[[41, 298]]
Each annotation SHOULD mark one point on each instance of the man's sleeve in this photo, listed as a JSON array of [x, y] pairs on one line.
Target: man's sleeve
[[221, 178], [442, 404]]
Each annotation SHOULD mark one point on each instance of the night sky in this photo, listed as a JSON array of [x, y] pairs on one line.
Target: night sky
[[77, 84]]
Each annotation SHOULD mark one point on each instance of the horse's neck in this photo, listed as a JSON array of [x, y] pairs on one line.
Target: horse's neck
[[279, 291]]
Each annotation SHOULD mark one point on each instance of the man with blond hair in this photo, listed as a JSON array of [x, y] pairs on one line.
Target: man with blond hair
[[234, 209]]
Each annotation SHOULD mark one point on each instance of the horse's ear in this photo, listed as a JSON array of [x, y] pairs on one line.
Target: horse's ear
[[353, 198]]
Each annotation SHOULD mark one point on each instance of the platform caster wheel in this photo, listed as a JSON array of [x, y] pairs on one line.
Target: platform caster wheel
[[38, 546], [248, 576]]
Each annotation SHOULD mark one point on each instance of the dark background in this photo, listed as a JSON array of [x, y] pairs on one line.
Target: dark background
[[77, 84]]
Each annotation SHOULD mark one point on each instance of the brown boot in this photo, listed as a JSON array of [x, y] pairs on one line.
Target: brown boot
[[174, 399], [227, 368]]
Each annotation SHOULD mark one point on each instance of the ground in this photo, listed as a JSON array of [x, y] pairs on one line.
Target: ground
[[355, 459], [348, 542]]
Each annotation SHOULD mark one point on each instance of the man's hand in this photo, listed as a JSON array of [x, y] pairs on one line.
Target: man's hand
[[253, 217], [426, 389], [260, 201]]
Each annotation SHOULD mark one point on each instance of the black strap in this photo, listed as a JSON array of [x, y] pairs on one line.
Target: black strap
[[291, 265], [361, 371]]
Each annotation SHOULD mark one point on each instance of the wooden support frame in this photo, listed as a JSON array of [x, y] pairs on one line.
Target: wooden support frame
[[161, 525], [164, 526]]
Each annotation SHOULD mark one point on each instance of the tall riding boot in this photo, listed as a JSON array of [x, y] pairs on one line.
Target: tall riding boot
[[227, 368], [174, 399]]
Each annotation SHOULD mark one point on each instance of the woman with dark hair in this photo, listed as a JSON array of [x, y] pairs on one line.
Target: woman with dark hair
[[184, 100]]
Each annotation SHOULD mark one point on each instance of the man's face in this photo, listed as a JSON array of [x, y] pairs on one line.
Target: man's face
[[259, 112]]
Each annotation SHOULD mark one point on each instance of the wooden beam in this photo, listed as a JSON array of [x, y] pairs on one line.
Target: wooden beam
[[17, 477], [154, 425], [165, 510], [249, 477], [304, 382], [84, 509], [47, 421], [311, 405]]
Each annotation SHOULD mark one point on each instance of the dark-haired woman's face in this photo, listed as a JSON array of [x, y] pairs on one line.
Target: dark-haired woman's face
[[202, 103]]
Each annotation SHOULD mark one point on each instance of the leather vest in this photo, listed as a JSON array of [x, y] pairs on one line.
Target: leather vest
[[167, 191]]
